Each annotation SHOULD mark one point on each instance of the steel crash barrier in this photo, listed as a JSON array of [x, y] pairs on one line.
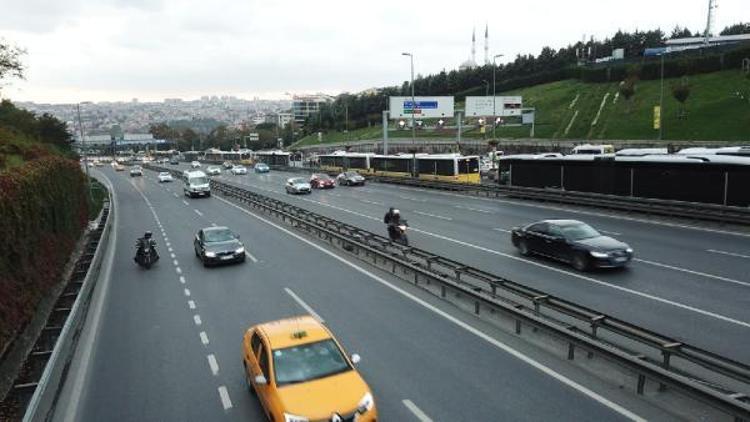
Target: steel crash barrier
[[701, 375], [663, 207], [35, 391]]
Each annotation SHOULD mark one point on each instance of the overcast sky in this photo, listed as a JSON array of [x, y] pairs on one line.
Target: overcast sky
[[113, 50]]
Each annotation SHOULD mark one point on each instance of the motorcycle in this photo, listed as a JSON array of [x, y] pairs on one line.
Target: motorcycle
[[397, 233], [147, 256]]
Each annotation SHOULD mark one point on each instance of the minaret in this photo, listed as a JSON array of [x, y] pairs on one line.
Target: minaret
[[486, 44], [473, 46]]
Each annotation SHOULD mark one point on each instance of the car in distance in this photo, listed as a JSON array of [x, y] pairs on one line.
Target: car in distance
[[118, 167], [297, 185], [300, 373], [213, 170], [573, 242], [350, 178], [227, 165], [165, 176], [239, 170], [322, 181], [218, 245], [174, 161], [261, 168], [195, 165], [136, 171]]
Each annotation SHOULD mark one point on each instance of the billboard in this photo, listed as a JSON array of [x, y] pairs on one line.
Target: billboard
[[426, 107], [503, 106]]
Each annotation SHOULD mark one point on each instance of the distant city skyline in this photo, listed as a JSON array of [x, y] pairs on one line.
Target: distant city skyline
[[116, 50]]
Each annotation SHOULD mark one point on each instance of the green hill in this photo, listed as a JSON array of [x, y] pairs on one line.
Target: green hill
[[717, 109]]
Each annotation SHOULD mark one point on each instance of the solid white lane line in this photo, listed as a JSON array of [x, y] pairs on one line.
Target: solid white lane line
[[191, 304], [182, 279], [212, 363], [198, 212], [433, 215], [185, 202], [187, 292], [225, 401], [474, 209], [498, 229], [734, 254], [197, 319], [252, 258], [698, 273], [502, 346], [204, 338], [416, 411], [303, 304]]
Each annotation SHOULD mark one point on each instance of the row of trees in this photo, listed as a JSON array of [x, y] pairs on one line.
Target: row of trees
[[184, 137], [350, 111]]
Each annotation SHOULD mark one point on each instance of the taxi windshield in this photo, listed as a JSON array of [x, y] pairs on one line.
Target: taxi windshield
[[308, 362]]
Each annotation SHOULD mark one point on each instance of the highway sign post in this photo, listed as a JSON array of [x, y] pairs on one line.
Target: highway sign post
[[494, 106]]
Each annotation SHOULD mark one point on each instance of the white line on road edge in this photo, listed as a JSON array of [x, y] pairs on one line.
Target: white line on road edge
[[225, 401], [737, 255], [185, 202], [198, 212], [498, 229], [303, 304], [502, 346], [197, 319], [204, 338], [187, 292], [212, 362], [416, 411], [433, 215], [252, 258], [461, 207], [191, 304], [698, 273]]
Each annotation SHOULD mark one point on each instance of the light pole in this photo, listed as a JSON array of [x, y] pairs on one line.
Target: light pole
[[494, 111], [413, 110], [661, 98]]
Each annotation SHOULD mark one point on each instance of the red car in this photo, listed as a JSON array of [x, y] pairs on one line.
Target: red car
[[322, 181]]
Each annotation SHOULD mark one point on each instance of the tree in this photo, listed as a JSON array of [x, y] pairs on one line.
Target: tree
[[736, 29], [678, 32], [54, 131], [681, 92], [627, 90], [10, 61]]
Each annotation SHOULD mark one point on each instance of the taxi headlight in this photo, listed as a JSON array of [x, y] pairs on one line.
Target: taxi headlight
[[210, 254], [366, 403], [294, 418], [599, 254]]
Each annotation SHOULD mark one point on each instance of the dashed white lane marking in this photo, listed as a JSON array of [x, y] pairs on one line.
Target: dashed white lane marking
[[611, 233], [462, 207], [303, 304], [416, 411], [212, 363], [734, 254], [433, 215], [175, 263], [698, 273], [366, 201], [185, 202], [169, 248], [182, 279], [498, 229], [252, 258], [191, 304], [179, 270], [187, 292], [175, 195], [204, 338], [198, 212], [500, 345], [411, 199], [172, 254], [197, 319], [225, 401]]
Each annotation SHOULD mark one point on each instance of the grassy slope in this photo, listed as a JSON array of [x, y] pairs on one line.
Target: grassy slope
[[714, 112]]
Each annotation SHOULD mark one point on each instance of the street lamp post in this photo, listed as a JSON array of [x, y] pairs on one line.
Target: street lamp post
[[661, 98], [494, 110], [413, 110]]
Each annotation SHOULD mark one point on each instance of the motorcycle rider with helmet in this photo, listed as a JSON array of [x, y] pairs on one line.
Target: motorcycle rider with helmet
[[141, 244]]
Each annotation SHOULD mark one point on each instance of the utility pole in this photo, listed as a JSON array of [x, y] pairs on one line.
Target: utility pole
[[494, 95], [413, 110]]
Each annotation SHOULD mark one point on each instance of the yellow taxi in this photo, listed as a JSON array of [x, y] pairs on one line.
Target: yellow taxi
[[300, 373]]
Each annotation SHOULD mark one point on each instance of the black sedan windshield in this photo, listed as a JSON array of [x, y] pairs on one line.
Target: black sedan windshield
[[218, 235], [308, 362], [579, 232]]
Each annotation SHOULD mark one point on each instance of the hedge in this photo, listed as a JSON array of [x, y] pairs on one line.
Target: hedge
[[43, 212]]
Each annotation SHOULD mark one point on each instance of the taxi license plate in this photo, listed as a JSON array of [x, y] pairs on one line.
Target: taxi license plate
[[621, 259]]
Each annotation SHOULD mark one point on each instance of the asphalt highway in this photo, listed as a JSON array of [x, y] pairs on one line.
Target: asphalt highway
[[168, 342], [690, 283]]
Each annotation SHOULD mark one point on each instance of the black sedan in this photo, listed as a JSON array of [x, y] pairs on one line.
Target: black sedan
[[218, 245], [573, 242]]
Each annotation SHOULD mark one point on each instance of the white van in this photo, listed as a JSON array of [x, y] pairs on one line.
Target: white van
[[196, 184]]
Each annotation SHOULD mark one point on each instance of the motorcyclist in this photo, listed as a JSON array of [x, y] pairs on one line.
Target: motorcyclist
[[392, 219], [141, 244]]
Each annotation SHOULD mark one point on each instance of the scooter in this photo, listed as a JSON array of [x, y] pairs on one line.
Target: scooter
[[397, 233], [147, 257]]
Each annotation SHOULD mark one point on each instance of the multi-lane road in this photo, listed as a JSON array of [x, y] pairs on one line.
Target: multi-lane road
[[165, 343]]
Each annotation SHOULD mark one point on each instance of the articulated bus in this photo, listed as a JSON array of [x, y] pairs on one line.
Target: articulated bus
[[441, 167], [272, 158], [341, 161]]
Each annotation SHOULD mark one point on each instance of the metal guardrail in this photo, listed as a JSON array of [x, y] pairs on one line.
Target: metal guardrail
[[702, 375], [45, 368], [664, 207]]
